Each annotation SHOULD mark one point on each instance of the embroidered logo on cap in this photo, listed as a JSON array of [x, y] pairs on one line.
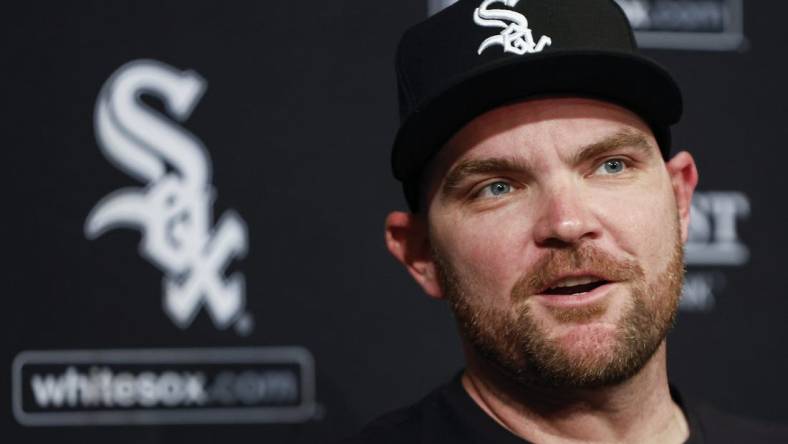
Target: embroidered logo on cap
[[515, 37]]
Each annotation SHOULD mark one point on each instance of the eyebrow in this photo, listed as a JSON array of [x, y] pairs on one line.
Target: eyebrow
[[496, 165], [481, 166], [621, 139]]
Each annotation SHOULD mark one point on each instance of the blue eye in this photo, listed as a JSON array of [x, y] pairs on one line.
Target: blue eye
[[612, 166], [496, 189]]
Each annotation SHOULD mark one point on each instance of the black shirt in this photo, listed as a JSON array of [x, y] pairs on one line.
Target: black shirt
[[449, 415]]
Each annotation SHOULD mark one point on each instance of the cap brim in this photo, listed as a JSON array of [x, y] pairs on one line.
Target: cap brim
[[627, 79]]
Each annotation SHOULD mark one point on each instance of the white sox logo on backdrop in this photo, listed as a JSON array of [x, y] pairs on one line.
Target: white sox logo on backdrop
[[174, 210], [515, 37]]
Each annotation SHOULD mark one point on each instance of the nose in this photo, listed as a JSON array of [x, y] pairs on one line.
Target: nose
[[565, 217]]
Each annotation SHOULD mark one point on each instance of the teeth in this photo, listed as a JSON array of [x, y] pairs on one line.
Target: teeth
[[572, 281]]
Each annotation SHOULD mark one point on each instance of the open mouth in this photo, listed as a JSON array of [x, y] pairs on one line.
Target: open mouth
[[574, 286]]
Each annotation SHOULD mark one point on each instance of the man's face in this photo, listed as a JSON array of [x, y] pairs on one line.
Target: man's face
[[555, 235]]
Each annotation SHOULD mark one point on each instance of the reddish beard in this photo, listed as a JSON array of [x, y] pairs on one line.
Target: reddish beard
[[516, 344]]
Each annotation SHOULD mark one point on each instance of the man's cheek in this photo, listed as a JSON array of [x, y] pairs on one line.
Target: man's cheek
[[493, 263], [649, 228]]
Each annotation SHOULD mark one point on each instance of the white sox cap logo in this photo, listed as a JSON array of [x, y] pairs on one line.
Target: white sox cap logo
[[515, 37]]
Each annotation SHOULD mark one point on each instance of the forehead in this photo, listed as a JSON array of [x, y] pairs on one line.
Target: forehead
[[534, 129]]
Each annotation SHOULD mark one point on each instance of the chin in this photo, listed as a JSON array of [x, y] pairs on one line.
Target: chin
[[594, 338]]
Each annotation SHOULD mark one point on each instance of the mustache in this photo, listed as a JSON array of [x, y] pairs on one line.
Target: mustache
[[561, 262]]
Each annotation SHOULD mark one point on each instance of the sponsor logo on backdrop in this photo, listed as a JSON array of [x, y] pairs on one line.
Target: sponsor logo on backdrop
[[174, 208], [515, 37], [713, 245], [179, 386], [676, 24]]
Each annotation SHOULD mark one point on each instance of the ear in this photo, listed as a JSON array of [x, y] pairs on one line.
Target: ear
[[684, 178], [407, 238]]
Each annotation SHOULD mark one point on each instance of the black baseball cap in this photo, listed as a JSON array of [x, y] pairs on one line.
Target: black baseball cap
[[477, 55]]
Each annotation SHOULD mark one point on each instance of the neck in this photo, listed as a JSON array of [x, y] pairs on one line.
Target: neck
[[639, 409]]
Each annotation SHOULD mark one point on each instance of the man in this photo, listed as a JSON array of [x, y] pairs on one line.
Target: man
[[546, 209]]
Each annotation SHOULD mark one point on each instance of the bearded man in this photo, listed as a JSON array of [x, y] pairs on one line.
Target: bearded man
[[547, 210]]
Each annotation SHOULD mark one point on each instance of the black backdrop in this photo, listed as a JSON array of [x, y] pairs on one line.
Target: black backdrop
[[297, 118]]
